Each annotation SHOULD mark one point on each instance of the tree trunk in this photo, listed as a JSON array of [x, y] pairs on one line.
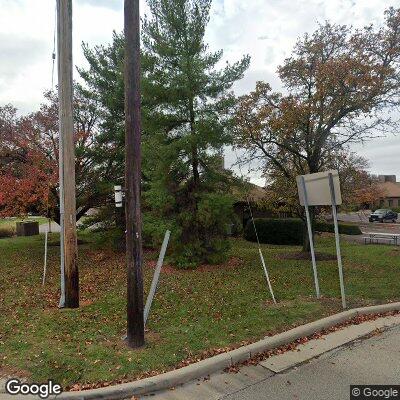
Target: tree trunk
[[312, 167], [191, 233], [55, 214], [195, 157]]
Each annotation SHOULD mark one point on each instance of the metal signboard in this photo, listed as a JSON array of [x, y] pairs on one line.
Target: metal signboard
[[322, 189], [318, 189]]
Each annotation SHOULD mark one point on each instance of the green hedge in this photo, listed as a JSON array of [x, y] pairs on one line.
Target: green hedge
[[275, 231], [290, 231], [345, 229]]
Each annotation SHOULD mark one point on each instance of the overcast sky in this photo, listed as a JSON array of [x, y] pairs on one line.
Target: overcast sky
[[265, 29]]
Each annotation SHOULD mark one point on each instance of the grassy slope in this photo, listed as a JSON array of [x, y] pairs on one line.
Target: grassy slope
[[193, 311]]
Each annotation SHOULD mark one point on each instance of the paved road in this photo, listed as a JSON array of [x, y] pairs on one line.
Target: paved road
[[368, 361], [372, 361], [360, 216]]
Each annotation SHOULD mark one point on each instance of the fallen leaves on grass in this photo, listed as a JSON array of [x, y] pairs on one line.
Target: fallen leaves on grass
[[253, 361], [306, 256], [233, 263]]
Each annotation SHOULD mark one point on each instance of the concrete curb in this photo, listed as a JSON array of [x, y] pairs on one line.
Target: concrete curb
[[221, 361]]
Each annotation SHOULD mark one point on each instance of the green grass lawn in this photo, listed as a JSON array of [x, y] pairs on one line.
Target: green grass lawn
[[194, 311]]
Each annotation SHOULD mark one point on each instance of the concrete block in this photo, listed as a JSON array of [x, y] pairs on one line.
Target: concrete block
[[27, 228]]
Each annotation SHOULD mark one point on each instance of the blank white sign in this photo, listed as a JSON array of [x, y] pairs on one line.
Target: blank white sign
[[318, 190]]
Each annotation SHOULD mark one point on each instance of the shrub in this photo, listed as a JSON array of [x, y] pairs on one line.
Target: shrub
[[275, 231], [204, 241], [290, 231], [154, 229], [345, 229], [111, 238], [6, 233]]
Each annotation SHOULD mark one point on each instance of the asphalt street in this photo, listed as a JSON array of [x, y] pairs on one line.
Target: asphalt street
[[369, 361]]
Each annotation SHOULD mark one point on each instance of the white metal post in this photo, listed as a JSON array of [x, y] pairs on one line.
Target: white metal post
[[156, 277], [338, 252], [310, 236], [260, 252], [46, 235], [258, 239], [267, 275]]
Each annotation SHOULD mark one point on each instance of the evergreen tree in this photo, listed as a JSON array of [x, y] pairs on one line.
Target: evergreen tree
[[105, 82], [189, 97], [185, 103]]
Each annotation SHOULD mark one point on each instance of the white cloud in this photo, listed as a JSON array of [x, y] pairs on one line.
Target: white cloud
[[267, 30], [26, 43], [112, 4]]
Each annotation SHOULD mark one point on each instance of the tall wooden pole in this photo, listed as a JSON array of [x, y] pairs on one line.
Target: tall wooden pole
[[67, 157], [134, 253]]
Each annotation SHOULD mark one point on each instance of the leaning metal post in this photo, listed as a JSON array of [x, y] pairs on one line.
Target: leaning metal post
[[310, 236], [339, 255], [156, 277]]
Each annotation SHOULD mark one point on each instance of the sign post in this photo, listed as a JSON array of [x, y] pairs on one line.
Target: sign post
[[338, 252], [310, 237], [322, 189]]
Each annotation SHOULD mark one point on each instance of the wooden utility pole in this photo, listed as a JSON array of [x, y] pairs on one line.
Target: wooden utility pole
[[134, 253], [69, 268]]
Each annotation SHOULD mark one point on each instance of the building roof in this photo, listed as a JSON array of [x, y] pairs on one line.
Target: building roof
[[391, 189], [254, 193]]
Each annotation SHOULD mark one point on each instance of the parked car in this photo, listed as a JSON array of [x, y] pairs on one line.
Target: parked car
[[383, 215]]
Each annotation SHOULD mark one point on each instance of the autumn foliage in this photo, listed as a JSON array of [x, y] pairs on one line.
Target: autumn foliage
[[27, 175], [29, 159]]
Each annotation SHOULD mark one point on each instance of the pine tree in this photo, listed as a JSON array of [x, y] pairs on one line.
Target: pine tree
[[189, 97], [185, 104]]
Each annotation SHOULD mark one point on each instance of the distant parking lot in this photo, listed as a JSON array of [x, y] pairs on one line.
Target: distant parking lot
[[361, 219]]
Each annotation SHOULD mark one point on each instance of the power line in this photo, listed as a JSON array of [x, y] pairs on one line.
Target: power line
[[256, 232]]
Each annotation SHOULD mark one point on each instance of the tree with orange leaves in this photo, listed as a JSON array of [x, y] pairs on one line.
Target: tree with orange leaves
[[29, 159]]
